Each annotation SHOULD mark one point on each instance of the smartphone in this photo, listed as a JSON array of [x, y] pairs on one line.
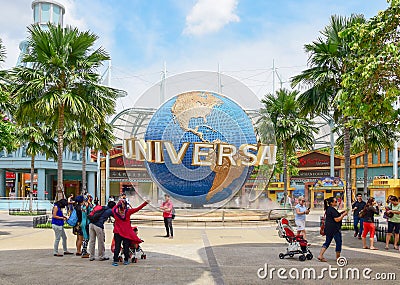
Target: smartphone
[[309, 208]]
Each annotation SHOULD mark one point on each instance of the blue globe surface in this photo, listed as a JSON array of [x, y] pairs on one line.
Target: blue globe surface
[[200, 117]]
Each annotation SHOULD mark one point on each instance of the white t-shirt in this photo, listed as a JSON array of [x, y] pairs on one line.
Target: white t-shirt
[[302, 209]]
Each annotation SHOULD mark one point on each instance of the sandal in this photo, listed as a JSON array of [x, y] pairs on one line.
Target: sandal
[[365, 247], [374, 248], [78, 253], [396, 247], [386, 247], [322, 259]]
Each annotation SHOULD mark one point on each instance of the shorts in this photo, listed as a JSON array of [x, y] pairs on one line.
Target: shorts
[[368, 228], [77, 230], [393, 226], [301, 225]]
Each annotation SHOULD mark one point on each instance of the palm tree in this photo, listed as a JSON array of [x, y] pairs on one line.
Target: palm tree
[[324, 79], [7, 128], [38, 139], [97, 137], [370, 138], [292, 130], [62, 63]]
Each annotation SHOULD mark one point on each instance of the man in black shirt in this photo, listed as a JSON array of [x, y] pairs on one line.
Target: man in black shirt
[[357, 206]]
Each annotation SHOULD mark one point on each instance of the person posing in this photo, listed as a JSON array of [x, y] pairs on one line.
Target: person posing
[[167, 207], [394, 222], [300, 216], [123, 232], [96, 230], [333, 225], [86, 208], [370, 209], [57, 223], [357, 206]]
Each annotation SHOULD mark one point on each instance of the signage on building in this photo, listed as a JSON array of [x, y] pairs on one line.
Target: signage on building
[[10, 175], [314, 174], [128, 163], [317, 159], [122, 175]]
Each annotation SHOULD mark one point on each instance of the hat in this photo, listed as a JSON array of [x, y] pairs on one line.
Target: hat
[[79, 199]]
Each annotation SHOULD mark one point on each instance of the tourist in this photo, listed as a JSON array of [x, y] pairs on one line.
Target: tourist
[[357, 206], [300, 216], [70, 203], [393, 222], [333, 225], [77, 229], [369, 226], [57, 223], [123, 232], [96, 230], [167, 207]]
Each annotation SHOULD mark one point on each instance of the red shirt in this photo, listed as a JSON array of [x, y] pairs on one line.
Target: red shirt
[[167, 213], [123, 227]]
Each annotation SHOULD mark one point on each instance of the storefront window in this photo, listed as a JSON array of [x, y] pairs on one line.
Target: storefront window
[[358, 160], [390, 156]]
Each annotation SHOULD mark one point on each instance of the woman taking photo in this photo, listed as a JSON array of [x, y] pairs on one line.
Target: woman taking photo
[[369, 227], [333, 225]]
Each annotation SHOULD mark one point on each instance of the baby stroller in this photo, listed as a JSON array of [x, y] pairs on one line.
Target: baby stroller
[[297, 245], [134, 250]]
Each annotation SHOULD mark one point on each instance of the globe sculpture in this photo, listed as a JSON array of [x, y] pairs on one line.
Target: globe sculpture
[[197, 117]]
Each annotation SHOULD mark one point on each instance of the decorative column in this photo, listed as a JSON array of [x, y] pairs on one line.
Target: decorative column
[[16, 188], [2, 183], [91, 183], [107, 176], [41, 180]]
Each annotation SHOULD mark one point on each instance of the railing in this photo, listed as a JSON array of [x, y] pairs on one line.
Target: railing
[[40, 220], [33, 212], [380, 231]]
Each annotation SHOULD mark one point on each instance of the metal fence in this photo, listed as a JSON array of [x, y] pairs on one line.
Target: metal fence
[[40, 220], [21, 211], [380, 230]]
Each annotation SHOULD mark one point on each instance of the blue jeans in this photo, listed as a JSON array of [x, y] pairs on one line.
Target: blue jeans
[[357, 220], [338, 240]]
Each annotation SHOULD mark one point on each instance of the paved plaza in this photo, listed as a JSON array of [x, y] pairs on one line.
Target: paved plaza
[[197, 255]]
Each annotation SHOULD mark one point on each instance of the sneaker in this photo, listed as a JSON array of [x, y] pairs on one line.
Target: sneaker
[[86, 255], [104, 258], [91, 259], [126, 262], [359, 237], [114, 264], [355, 234]]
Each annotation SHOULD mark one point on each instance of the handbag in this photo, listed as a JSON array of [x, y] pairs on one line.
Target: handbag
[[322, 227], [362, 213], [173, 213]]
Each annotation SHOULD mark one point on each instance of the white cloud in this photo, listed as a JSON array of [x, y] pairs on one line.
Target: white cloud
[[208, 16]]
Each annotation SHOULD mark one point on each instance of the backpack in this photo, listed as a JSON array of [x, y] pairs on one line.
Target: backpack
[[73, 218], [96, 213], [173, 212]]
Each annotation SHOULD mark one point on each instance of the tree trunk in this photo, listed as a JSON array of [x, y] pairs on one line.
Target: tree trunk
[[346, 139], [83, 161], [285, 190], [31, 183], [60, 150], [365, 168]]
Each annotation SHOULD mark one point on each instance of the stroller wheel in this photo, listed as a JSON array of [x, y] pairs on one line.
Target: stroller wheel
[[291, 254], [143, 256], [302, 257], [134, 260], [309, 256], [281, 256]]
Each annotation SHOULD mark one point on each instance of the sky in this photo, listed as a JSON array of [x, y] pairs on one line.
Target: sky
[[244, 39]]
